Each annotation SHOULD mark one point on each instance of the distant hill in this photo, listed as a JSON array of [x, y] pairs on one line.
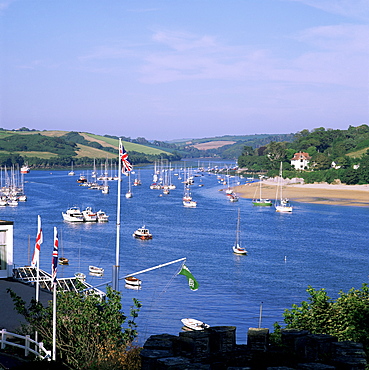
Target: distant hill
[[81, 147], [229, 146], [45, 149]]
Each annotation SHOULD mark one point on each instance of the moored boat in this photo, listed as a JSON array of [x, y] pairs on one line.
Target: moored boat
[[194, 324], [189, 203], [82, 179], [261, 202], [142, 233], [281, 204], [73, 214], [102, 216], [96, 270], [131, 280], [63, 261], [80, 275], [237, 249], [89, 215], [24, 169]]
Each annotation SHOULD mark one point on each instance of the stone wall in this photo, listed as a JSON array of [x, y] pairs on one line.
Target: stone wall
[[215, 348]]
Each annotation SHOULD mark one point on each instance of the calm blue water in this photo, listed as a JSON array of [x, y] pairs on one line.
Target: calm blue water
[[318, 245]]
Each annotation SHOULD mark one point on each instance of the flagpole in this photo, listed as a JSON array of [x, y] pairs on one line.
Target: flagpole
[[54, 272], [116, 266], [54, 322], [38, 262]]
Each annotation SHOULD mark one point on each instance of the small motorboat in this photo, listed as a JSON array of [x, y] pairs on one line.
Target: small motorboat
[[102, 216], [82, 179], [131, 280], [63, 261], [80, 276], [194, 324], [24, 169], [142, 233], [96, 270], [89, 215], [73, 214]]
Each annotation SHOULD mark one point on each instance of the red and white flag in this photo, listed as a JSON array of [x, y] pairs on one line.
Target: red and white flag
[[123, 156], [39, 240], [54, 262]]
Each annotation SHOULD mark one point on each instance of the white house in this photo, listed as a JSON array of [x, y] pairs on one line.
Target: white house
[[6, 249], [300, 161]]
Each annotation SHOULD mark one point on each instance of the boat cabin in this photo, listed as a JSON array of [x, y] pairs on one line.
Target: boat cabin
[[6, 249]]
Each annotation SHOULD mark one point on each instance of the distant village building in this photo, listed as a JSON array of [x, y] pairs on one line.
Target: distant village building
[[300, 161], [6, 249], [335, 165]]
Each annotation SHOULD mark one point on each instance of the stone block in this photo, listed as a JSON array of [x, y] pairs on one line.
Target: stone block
[[258, 339], [222, 339], [349, 356], [194, 344], [318, 347], [295, 340]]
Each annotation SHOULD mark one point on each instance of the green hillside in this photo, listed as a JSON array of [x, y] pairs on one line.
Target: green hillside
[[60, 148]]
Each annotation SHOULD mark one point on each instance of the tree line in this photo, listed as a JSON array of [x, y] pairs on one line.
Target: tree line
[[329, 151]]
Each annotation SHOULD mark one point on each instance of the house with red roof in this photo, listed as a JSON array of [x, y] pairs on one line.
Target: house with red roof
[[300, 161]]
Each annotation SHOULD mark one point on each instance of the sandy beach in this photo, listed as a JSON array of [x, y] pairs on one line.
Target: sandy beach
[[344, 195]]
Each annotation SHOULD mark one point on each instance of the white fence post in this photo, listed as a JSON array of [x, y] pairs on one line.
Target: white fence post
[[3, 338], [26, 346]]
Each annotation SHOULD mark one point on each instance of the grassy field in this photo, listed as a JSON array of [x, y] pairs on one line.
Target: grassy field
[[87, 151], [42, 155], [127, 145], [358, 153], [212, 145]]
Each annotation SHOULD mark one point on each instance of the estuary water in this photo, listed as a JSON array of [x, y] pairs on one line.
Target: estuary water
[[318, 245]]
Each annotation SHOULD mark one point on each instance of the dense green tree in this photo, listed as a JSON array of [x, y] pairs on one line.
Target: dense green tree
[[89, 329], [276, 152], [346, 317], [321, 161]]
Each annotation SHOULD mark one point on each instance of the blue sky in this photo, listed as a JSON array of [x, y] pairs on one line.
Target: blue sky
[[172, 69]]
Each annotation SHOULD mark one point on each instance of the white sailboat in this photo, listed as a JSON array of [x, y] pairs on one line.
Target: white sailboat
[[237, 249], [262, 202], [71, 172], [187, 197], [281, 204], [129, 192]]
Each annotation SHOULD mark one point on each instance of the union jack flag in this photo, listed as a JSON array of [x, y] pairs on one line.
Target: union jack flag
[[54, 262], [39, 240], [123, 155]]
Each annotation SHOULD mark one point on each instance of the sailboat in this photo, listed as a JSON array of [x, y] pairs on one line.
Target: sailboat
[[71, 172], [237, 249], [261, 201], [187, 198], [129, 192], [281, 204]]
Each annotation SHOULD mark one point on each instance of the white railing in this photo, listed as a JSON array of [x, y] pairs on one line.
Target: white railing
[[39, 350]]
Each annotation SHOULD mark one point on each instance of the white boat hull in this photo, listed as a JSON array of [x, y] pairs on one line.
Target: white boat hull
[[96, 270], [283, 209], [189, 203], [239, 250], [194, 324], [131, 280], [72, 218]]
